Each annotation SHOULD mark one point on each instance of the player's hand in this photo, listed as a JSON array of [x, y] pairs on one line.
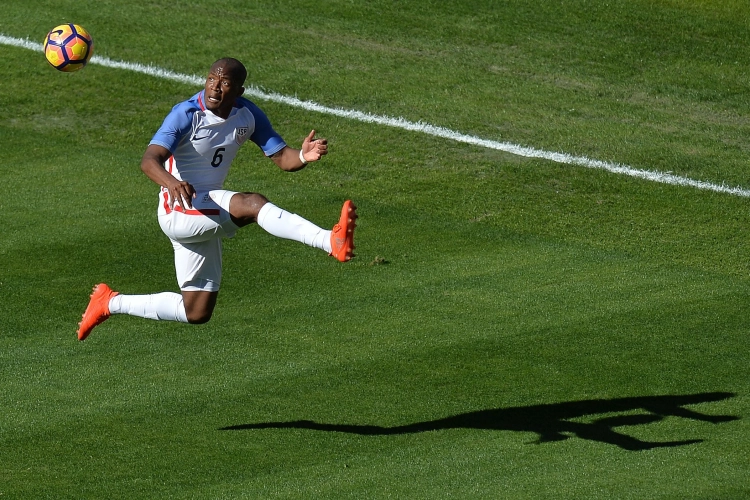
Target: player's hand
[[313, 149], [183, 193]]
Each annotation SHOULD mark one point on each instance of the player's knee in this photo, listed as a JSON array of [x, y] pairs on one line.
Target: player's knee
[[199, 318], [253, 202], [244, 207], [199, 306]]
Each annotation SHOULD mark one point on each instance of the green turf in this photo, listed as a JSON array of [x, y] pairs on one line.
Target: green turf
[[510, 328]]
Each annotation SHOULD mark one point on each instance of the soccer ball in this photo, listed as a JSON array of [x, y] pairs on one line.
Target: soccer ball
[[68, 47]]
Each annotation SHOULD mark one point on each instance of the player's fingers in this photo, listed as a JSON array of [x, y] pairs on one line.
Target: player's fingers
[[183, 194], [177, 199], [186, 200], [171, 198], [191, 194]]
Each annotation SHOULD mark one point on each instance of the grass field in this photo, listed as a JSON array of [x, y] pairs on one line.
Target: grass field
[[512, 327]]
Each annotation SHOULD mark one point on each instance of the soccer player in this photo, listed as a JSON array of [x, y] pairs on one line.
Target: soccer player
[[189, 157]]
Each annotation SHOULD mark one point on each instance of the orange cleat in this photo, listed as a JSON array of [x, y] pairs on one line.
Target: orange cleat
[[97, 311], [342, 236]]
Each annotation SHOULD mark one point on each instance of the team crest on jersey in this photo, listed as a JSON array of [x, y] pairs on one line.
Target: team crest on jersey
[[241, 134]]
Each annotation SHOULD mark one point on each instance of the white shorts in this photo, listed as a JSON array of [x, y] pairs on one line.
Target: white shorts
[[196, 236]]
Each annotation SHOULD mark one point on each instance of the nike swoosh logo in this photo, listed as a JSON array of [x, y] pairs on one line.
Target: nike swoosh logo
[[196, 138]]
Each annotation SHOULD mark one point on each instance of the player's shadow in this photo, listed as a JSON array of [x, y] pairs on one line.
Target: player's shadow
[[551, 422]]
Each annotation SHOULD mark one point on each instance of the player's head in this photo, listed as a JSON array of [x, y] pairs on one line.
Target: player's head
[[224, 85]]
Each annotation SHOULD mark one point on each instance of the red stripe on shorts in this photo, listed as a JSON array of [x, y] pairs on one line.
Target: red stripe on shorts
[[193, 211]]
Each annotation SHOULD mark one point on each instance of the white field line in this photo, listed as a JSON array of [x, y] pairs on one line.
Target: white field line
[[425, 128]]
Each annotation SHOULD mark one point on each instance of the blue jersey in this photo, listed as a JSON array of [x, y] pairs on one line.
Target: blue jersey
[[203, 145]]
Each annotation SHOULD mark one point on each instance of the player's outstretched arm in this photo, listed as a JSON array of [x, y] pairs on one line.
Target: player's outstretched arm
[[290, 159], [152, 164]]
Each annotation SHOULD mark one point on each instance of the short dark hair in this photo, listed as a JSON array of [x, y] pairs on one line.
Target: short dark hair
[[235, 68]]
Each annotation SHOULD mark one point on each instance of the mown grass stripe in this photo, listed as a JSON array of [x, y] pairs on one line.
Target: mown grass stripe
[[425, 128]]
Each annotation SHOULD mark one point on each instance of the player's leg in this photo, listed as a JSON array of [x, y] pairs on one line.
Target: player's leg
[[246, 208], [198, 268], [104, 302], [194, 307], [199, 305], [164, 306], [197, 243]]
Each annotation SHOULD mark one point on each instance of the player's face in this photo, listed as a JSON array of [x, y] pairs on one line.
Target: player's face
[[221, 90]]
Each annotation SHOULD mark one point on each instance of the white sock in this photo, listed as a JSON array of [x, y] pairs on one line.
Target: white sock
[[291, 226], [159, 306]]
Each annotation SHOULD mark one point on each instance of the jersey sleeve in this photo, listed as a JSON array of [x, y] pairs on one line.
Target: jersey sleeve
[[264, 135], [178, 122]]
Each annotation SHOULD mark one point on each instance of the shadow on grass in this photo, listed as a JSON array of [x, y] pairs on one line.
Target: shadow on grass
[[552, 422]]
